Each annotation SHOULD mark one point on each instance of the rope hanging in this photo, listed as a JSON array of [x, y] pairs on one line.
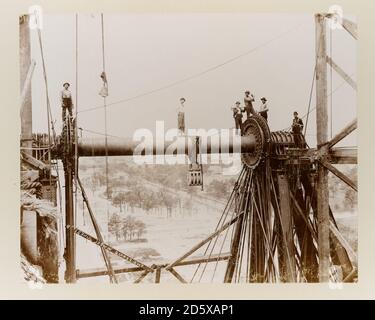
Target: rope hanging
[[104, 78], [104, 94]]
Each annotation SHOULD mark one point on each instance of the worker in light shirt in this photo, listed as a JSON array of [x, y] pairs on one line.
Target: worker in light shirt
[[248, 100], [66, 101], [181, 117], [263, 110]]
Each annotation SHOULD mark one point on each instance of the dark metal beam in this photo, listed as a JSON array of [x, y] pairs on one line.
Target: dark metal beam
[[95, 147], [322, 139]]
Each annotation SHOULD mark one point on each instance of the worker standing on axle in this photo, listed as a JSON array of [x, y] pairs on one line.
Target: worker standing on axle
[[297, 127], [263, 110], [66, 101], [181, 117], [248, 100], [237, 115]]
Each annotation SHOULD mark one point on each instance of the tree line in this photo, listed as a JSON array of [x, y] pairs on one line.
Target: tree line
[[127, 229]]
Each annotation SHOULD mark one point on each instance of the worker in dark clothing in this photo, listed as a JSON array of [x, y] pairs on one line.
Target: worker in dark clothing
[[66, 101], [237, 115], [263, 110], [248, 100], [297, 127]]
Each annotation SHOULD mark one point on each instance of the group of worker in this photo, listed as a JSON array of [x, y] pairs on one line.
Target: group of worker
[[249, 109], [297, 125]]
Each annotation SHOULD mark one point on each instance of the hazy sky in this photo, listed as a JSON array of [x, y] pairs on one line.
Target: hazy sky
[[144, 52]]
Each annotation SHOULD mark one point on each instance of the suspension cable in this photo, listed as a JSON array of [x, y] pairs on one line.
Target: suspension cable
[[199, 74]]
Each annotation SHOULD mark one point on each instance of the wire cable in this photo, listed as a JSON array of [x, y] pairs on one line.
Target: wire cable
[[199, 74]]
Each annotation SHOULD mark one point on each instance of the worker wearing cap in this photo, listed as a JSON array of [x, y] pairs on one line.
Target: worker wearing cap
[[297, 127], [237, 115], [181, 117], [263, 110], [248, 100], [66, 101]]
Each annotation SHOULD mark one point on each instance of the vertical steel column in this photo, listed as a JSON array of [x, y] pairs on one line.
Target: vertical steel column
[[288, 268], [322, 137], [70, 247], [70, 256], [25, 62]]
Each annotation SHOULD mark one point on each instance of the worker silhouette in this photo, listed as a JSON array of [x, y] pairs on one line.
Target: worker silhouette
[[248, 100], [263, 110], [297, 127], [237, 115], [66, 101], [181, 117]]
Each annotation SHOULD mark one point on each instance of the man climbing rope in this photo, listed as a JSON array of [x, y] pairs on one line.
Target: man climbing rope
[[263, 110], [104, 90], [237, 115], [297, 127], [181, 117], [248, 100], [66, 101]]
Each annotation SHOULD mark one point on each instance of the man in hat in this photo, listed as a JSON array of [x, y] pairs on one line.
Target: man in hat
[[297, 127], [263, 110], [248, 100], [181, 117], [66, 101], [237, 115]]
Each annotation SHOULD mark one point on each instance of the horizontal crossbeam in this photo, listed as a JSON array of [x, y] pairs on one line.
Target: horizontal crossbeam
[[192, 261], [110, 249]]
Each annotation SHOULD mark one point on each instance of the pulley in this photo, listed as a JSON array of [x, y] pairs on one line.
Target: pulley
[[195, 173]]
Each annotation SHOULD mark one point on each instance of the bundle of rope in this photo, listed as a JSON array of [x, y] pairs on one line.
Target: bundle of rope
[[31, 273], [32, 187], [43, 207]]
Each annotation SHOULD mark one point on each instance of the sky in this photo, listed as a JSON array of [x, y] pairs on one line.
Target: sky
[[271, 55]]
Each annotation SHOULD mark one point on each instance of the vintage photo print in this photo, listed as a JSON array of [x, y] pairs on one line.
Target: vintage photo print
[[188, 147]]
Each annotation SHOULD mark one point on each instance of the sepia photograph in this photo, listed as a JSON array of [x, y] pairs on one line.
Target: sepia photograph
[[188, 148]]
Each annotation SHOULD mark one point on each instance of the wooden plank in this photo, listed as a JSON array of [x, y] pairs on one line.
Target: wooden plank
[[104, 272], [142, 276], [33, 162], [342, 73], [205, 259], [342, 134], [343, 156], [322, 138], [344, 243], [340, 175], [351, 276], [351, 27], [177, 275], [157, 275]]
